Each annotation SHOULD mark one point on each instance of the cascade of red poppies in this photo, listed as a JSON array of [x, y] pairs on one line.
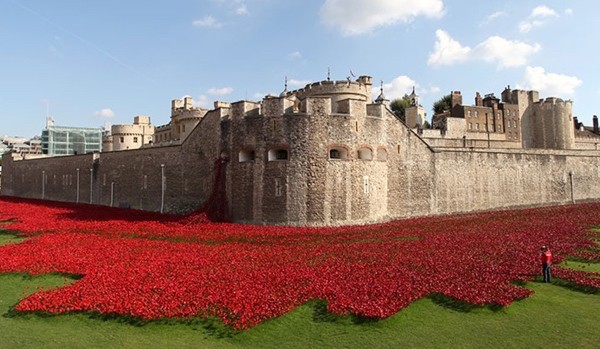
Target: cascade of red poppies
[[216, 207], [153, 266]]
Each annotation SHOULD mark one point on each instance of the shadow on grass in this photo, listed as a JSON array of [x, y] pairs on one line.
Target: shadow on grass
[[212, 326], [321, 314], [460, 306], [575, 287]]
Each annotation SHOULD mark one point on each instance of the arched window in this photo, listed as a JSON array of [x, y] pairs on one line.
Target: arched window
[[246, 156], [382, 154], [365, 154], [278, 154], [338, 153]]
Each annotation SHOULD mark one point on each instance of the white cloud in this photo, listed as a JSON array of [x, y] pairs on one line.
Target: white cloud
[[207, 21], [495, 15], [507, 53], [569, 11], [537, 18], [495, 49], [447, 51], [355, 17], [202, 102], [105, 113], [397, 88], [543, 11], [549, 84], [241, 10], [295, 55], [222, 91]]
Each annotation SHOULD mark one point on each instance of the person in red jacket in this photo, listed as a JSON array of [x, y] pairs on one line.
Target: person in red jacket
[[546, 259]]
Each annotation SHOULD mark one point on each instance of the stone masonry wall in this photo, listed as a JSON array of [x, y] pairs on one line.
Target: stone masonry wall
[[387, 170], [127, 178]]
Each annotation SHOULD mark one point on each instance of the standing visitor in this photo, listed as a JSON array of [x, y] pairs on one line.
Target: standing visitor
[[546, 258]]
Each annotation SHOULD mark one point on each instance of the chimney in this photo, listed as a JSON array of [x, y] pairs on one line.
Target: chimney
[[456, 98], [576, 123], [595, 121], [478, 100]]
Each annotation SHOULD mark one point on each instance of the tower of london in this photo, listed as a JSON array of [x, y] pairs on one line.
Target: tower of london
[[327, 154]]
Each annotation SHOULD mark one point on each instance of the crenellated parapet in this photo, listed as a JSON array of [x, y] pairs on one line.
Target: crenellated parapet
[[242, 109], [555, 118], [337, 90]]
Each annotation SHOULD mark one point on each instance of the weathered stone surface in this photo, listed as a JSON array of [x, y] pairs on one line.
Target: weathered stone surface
[[279, 170]]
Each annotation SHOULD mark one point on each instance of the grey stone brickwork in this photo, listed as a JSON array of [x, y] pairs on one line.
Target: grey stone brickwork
[[325, 155]]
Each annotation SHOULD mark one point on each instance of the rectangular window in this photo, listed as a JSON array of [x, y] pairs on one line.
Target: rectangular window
[[122, 139], [470, 126], [135, 139], [469, 113], [477, 126], [476, 114]]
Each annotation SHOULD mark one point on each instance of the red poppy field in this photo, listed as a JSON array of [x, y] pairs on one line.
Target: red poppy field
[[154, 266]]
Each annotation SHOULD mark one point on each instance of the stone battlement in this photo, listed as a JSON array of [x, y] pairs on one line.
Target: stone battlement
[[361, 88]]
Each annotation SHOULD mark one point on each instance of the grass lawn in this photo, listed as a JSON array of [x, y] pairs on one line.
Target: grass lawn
[[555, 317]]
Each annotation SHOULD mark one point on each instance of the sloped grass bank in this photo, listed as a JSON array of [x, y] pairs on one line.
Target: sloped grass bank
[[554, 317]]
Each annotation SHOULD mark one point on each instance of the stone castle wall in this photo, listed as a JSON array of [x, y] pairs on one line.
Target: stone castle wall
[[382, 169], [126, 178]]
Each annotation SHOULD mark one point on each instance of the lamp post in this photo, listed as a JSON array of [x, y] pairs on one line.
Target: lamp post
[[43, 185], [572, 186], [91, 184], [112, 193], [162, 189], [77, 201]]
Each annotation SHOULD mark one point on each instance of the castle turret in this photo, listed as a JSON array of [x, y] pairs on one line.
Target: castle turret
[[361, 89], [414, 98], [415, 115], [381, 98], [553, 124]]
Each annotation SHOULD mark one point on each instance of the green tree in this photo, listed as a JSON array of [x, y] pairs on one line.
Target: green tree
[[442, 104], [426, 124], [399, 105]]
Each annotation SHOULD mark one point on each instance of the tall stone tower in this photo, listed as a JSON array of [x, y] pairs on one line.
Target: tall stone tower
[[415, 115]]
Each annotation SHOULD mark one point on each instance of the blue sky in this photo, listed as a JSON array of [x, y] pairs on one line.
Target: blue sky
[[91, 62]]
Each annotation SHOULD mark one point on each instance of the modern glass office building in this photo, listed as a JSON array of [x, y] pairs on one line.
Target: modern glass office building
[[61, 140]]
